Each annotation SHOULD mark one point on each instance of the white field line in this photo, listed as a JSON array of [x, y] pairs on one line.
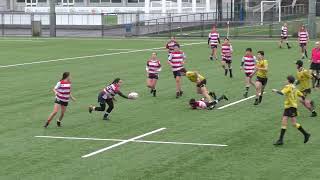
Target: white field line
[[236, 102], [91, 56], [139, 141], [121, 143]]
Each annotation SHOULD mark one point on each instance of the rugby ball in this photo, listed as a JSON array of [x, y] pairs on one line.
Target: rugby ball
[[133, 95]]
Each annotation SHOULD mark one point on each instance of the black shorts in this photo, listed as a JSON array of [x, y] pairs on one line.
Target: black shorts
[[306, 91], [248, 74], [227, 61], [153, 76], [101, 100], [202, 83], [263, 81], [214, 46], [284, 37], [315, 66], [62, 103], [303, 44], [180, 72], [290, 112]]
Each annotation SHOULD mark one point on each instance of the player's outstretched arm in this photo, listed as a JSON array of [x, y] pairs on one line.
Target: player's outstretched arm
[[122, 95], [277, 91]]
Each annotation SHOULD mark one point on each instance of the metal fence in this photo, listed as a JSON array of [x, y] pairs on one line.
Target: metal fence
[[241, 24]]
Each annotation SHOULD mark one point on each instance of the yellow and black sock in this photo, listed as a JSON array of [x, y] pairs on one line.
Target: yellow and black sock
[[299, 127]]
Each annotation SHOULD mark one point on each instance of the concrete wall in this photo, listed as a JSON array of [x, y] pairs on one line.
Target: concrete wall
[[3, 5]]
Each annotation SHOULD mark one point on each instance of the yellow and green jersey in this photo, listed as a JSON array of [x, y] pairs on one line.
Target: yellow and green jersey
[[291, 94], [194, 76]]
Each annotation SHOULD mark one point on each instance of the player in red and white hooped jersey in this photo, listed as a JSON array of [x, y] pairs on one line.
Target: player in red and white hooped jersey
[[202, 104], [106, 96], [248, 65], [226, 53], [63, 94], [153, 68], [170, 45], [213, 41], [176, 60], [284, 35], [303, 38]]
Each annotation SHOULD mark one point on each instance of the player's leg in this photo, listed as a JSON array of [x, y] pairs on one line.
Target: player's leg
[[178, 86], [230, 68], [149, 84], [287, 42], [205, 93], [305, 51], [280, 43], [247, 83], [154, 83], [215, 50], [110, 108], [224, 66], [211, 55], [284, 124], [62, 112], [262, 90], [299, 127], [53, 114], [258, 85]]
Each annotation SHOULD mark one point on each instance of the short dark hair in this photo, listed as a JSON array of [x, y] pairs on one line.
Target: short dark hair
[[261, 52], [249, 49], [116, 80], [226, 38], [65, 75], [291, 79]]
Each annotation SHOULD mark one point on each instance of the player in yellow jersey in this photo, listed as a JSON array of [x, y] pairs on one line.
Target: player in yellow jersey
[[201, 82], [291, 94], [304, 78], [261, 71]]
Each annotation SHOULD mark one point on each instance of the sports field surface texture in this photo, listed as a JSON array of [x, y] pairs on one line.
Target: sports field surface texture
[[151, 138]]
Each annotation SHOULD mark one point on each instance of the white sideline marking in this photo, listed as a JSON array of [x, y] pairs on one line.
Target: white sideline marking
[[139, 141], [91, 56], [121, 143], [236, 102]]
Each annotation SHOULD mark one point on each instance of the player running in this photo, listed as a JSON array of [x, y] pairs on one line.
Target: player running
[[203, 104], [213, 40], [304, 85], [303, 38], [248, 64], [226, 53], [284, 35], [62, 90], [176, 60], [106, 96], [290, 104], [153, 68], [170, 45], [261, 70]]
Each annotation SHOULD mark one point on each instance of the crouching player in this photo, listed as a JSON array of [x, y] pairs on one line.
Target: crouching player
[[203, 104], [303, 81], [153, 68], [106, 96], [291, 103]]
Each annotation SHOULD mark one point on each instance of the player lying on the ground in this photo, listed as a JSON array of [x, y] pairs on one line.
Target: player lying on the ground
[[153, 68], [304, 85], [63, 93], [106, 96], [291, 94], [203, 104], [226, 53]]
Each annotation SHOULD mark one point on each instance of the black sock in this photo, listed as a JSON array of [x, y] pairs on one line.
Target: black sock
[[306, 53], [260, 98], [106, 115], [225, 72], [230, 71], [282, 132], [302, 130], [247, 89], [288, 45], [220, 98]]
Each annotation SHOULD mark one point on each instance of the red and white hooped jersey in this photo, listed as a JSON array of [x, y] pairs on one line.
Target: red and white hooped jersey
[[170, 46], [249, 63], [284, 31], [63, 89], [213, 37], [176, 60], [226, 51], [110, 91], [303, 36], [153, 66], [201, 104]]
